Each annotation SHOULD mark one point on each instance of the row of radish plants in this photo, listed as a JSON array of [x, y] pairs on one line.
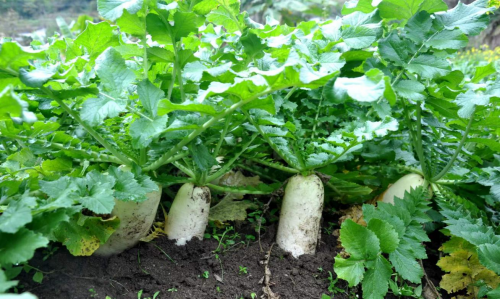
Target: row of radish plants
[[100, 120]]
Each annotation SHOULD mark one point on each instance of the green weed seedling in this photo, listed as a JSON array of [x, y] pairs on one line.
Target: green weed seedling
[[405, 290], [243, 270], [139, 295], [332, 287], [205, 274]]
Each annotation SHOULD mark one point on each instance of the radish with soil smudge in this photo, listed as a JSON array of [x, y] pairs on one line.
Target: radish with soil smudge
[[136, 219], [188, 216], [300, 216]]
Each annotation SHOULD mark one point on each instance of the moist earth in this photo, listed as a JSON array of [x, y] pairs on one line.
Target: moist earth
[[177, 272]]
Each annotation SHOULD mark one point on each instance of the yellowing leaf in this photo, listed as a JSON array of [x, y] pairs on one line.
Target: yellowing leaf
[[464, 268]]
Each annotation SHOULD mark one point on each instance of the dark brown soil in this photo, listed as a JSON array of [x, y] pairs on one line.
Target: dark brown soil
[[147, 268], [177, 271]]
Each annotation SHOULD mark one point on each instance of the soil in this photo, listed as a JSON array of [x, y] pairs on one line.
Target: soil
[[147, 267]]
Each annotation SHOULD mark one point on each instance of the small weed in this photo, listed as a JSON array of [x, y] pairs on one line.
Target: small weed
[[172, 290], [332, 287], [139, 295], [405, 290], [218, 289], [243, 270], [93, 293], [253, 295], [320, 270], [205, 274], [330, 228], [49, 251], [139, 261]]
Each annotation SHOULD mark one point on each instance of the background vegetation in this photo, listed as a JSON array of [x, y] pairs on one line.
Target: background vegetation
[[20, 18]]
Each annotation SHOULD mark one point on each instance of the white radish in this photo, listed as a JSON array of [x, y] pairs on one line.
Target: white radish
[[188, 216], [300, 215], [136, 219], [404, 184]]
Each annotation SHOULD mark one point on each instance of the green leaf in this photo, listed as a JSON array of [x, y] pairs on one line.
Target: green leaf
[[489, 256], [483, 72], [350, 269], [389, 239], [16, 216], [372, 129], [95, 111], [252, 45], [468, 100], [359, 37], [114, 74], [266, 104], [149, 95], [82, 235], [10, 104], [351, 6], [394, 49], [128, 188], [492, 144], [405, 9], [243, 89], [57, 165], [494, 294], [165, 107], [184, 24], [367, 88], [20, 247], [375, 282], [470, 19], [38, 277], [195, 71], [5, 284], [96, 38], [113, 9], [132, 24], [349, 189], [429, 66], [359, 241], [419, 27], [62, 192], [205, 6], [96, 191], [410, 89], [38, 77], [202, 156], [448, 39], [433, 6], [227, 16], [143, 130], [164, 32], [13, 56], [157, 54], [406, 266], [45, 223]]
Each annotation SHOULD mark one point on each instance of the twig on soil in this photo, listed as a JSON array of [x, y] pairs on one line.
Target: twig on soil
[[430, 286], [268, 293], [111, 283], [264, 210], [163, 251]]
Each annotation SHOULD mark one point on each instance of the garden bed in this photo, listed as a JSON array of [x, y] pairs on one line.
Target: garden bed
[[146, 267]]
